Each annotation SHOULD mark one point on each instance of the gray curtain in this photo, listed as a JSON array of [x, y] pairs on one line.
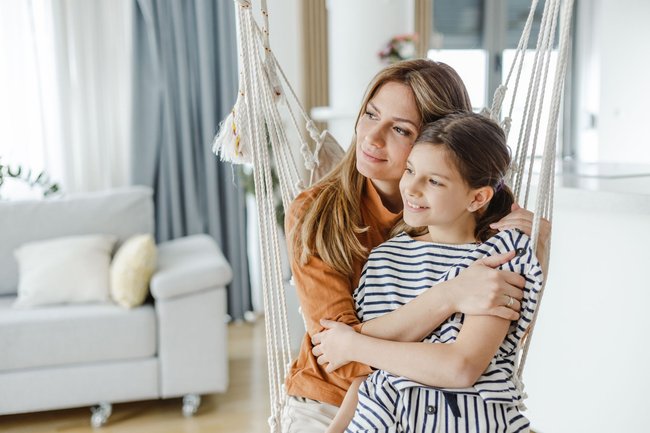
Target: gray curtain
[[185, 82]]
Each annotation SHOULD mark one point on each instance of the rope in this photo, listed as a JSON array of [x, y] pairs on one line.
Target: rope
[[278, 141], [254, 132], [549, 39], [531, 97], [255, 125], [310, 158], [547, 177], [518, 63], [266, 214]]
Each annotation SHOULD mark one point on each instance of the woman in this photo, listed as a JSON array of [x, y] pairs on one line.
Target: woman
[[333, 226], [452, 189]]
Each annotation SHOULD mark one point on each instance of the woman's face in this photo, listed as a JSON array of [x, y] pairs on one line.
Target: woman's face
[[386, 132]]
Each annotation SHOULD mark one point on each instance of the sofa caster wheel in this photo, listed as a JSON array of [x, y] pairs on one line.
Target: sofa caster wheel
[[100, 415], [191, 403]]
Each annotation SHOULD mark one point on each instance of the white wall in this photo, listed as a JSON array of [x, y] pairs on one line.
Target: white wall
[[358, 30], [285, 39], [588, 365], [589, 362], [586, 79], [625, 84]]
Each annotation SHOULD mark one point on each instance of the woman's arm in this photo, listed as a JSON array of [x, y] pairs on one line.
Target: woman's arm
[[482, 290], [457, 364], [452, 365], [522, 219], [324, 293], [479, 290]]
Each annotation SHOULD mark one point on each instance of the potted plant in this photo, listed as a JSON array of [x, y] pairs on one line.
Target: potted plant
[[34, 179]]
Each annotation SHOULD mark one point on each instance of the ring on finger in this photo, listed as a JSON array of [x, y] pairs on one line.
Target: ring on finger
[[511, 301]]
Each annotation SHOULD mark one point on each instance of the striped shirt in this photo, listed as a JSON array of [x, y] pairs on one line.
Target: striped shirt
[[399, 270]]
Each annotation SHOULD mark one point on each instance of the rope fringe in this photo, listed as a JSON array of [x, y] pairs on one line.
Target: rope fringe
[[232, 141]]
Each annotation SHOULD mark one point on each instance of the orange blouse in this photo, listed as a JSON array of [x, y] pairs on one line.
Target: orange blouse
[[327, 294]]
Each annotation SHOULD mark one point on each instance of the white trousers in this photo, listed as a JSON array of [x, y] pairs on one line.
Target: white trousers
[[304, 415]]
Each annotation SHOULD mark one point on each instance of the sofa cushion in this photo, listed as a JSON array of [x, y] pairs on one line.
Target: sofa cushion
[[72, 269], [74, 334], [131, 270], [123, 213]]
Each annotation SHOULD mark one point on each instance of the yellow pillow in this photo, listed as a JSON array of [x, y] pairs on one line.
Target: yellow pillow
[[131, 270]]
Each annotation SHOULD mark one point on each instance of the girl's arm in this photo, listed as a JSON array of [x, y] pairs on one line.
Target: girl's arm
[[346, 411], [324, 293], [452, 365], [479, 290]]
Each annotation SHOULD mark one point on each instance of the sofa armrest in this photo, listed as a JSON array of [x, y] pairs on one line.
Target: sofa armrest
[[188, 265]]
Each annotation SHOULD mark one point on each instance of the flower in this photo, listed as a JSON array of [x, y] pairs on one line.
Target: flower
[[400, 47]]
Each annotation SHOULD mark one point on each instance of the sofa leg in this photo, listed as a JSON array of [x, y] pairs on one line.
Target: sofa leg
[[100, 415], [191, 403]]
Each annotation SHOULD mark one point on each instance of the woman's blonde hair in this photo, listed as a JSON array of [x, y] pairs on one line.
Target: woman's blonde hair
[[329, 228]]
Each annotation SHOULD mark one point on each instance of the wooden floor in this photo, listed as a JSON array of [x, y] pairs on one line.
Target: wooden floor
[[243, 409]]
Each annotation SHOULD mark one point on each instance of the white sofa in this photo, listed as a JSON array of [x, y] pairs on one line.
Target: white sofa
[[96, 354]]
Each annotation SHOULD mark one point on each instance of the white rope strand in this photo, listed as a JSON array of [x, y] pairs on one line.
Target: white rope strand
[[310, 157], [278, 141], [263, 190], [518, 63], [547, 176], [531, 98], [549, 39]]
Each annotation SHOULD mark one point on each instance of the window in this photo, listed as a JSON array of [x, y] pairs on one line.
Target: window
[[25, 51], [479, 38]]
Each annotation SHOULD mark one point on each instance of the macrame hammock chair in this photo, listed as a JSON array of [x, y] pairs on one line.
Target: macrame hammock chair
[[254, 133]]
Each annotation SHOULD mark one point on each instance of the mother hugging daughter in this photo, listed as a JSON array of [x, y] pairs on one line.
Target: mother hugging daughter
[[334, 225]]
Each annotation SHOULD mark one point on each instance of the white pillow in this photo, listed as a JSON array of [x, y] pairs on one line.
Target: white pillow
[[131, 270], [64, 270]]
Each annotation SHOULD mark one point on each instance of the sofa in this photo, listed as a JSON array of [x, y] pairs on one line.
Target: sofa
[[97, 354]]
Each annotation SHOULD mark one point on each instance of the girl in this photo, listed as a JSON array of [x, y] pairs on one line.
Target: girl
[[332, 227], [452, 190]]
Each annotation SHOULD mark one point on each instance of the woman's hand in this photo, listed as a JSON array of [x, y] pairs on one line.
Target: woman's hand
[[483, 290], [332, 346], [522, 219]]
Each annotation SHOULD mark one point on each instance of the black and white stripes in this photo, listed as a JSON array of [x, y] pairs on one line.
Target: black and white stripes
[[398, 271]]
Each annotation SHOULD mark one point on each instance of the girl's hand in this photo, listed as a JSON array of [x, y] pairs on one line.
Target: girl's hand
[[331, 346], [482, 290]]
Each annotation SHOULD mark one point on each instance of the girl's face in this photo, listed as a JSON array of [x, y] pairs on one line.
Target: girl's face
[[434, 193], [386, 132]]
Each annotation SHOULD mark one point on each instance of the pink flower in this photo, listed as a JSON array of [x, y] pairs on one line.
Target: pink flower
[[400, 47]]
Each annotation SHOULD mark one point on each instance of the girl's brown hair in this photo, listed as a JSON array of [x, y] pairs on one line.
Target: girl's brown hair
[[330, 226], [477, 147]]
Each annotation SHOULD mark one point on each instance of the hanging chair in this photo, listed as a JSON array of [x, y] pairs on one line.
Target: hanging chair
[[254, 133]]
